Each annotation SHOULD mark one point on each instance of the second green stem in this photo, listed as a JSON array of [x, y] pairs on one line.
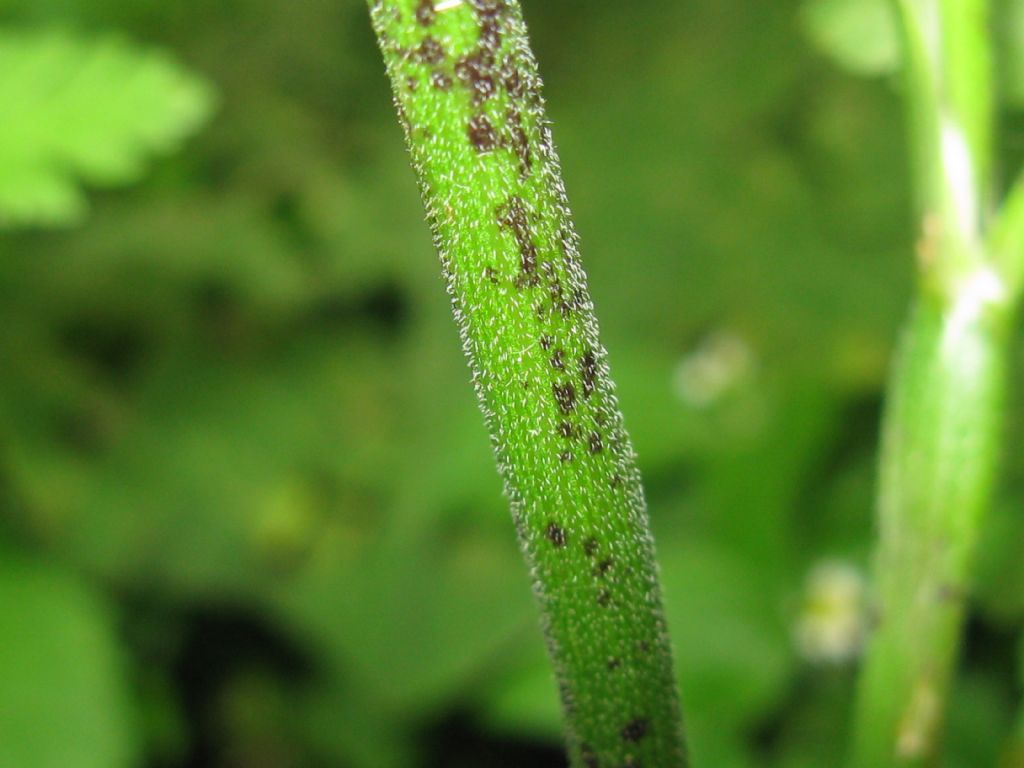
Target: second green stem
[[939, 452], [941, 428]]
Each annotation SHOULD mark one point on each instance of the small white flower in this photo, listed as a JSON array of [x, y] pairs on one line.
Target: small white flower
[[832, 624], [716, 367]]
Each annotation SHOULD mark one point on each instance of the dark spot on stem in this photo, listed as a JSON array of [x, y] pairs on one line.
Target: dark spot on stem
[[558, 300], [596, 446], [545, 342], [565, 429], [635, 729], [602, 568], [588, 370], [590, 546], [565, 457], [604, 598], [555, 534], [512, 216], [589, 756], [579, 298], [518, 141], [412, 83], [489, 9], [558, 360], [490, 35], [425, 13], [476, 71], [614, 663], [491, 274], [565, 396], [481, 134], [431, 51], [511, 78]]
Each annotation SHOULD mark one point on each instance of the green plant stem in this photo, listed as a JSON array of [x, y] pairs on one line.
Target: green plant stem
[[468, 94], [948, 84], [939, 451], [941, 428]]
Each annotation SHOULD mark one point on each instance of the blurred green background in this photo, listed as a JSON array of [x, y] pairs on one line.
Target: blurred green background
[[249, 516]]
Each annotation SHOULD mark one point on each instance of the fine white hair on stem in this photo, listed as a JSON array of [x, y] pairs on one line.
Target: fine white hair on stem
[[447, 5]]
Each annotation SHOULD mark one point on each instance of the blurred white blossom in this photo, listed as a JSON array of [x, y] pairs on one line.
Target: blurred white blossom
[[832, 624], [717, 366]]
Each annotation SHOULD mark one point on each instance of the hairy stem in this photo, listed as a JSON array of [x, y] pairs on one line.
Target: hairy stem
[[948, 86], [939, 450], [941, 430], [468, 94]]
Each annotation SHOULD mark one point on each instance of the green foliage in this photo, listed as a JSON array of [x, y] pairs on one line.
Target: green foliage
[[64, 700], [235, 394], [84, 109], [1008, 24], [861, 35]]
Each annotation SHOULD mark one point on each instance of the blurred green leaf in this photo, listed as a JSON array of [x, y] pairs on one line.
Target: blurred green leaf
[[63, 702], [1009, 31], [1020, 659], [736, 660], [343, 728], [524, 700], [241, 388], [84, 110], [980, 720], [1000, 572], [812, 731], [860, 35]]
